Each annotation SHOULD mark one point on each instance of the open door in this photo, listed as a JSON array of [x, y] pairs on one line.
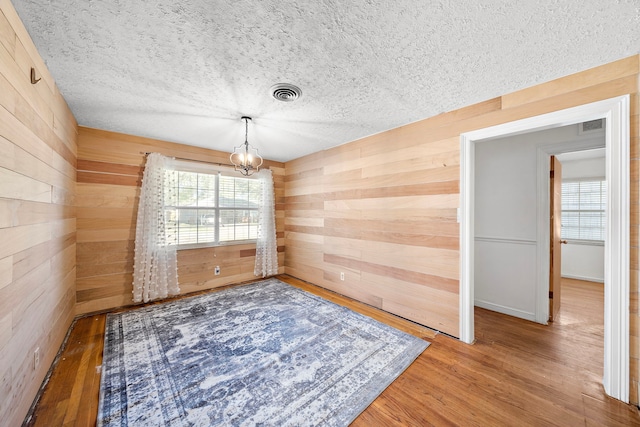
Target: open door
[[555, 237]]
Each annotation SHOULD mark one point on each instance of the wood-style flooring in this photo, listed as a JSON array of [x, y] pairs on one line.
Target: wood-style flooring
[[518, 373]]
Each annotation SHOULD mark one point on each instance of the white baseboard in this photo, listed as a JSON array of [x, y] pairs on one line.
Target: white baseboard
[[586, 279], [506, 310]]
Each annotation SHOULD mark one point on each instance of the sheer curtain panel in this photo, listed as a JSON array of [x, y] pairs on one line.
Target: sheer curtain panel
[[155, 265], [266, 244]]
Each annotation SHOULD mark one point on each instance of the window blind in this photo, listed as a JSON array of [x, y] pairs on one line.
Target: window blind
[[584, 210], [210, 208]]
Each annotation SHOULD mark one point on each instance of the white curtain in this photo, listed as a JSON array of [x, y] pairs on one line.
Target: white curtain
[[267, 244], [155, 265]]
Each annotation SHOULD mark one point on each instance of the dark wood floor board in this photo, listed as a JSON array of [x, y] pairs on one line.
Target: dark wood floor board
[[70, 397], [516, 373]]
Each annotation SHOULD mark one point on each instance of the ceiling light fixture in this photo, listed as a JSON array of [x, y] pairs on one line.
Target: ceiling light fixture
[[245, 158]]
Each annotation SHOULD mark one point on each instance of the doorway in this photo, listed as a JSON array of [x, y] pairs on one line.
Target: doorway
[[505, 222], [582, 214], [616, 113]]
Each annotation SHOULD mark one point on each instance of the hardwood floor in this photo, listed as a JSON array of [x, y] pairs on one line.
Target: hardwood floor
[[517, 373]]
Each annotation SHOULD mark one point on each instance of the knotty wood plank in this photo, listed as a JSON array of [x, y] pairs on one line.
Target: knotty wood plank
[[119, 252], [106, 281], [252, 252], [424, 226], [7, 35], [6, 271], [26, 260], [17, 239], [423, 189], [27, 212], [105, 178], [111, 235], [102, 305], [17, 186], [105, 223], [104, 167], [91, 270], [98, 293]]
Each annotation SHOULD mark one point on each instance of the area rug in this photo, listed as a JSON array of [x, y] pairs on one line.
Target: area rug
[[262, 354]]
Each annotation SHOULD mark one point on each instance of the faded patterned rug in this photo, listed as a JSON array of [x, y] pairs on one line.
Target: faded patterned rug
[[262, 354]]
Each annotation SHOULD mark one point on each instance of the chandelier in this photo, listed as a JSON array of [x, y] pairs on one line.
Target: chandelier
[[245, 158]]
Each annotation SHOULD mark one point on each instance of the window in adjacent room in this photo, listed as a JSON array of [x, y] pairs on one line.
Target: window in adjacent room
[[209, 208], [584, 210]]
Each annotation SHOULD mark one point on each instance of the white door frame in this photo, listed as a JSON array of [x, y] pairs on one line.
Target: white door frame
[[616, 298]]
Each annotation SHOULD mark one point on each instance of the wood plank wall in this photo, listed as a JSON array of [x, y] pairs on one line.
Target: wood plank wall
[[37, 218], [355, 208], [110, 169]]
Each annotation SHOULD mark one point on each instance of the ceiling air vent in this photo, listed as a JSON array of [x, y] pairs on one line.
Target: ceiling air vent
[[285, 92], [590, 126]]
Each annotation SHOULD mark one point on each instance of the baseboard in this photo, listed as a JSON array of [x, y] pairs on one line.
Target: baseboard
[[586, 279], [505, 310]]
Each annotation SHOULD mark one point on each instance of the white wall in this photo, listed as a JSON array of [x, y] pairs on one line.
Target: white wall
[[505, 219], [583, 261], [583, 168]]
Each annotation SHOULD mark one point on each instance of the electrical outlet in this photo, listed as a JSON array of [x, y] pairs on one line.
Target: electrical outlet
[[216, 271], [36, 358], [342, 275]]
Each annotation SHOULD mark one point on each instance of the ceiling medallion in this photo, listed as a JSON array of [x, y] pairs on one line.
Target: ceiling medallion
[[245, 158]]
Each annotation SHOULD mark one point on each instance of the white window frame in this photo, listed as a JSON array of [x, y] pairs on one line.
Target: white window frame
[[218, 171], [582, 241]]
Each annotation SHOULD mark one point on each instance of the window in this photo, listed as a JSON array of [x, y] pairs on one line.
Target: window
[[583, 210], [208, 209]]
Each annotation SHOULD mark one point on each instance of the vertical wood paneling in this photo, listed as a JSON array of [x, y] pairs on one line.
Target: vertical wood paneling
[[37, 219], [382, 210], [110, 169]]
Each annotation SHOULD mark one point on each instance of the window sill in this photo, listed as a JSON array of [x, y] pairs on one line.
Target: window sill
[[585, 242], [215, 245]]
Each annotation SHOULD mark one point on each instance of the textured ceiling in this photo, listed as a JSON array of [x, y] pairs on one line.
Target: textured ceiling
[[186, 71]]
